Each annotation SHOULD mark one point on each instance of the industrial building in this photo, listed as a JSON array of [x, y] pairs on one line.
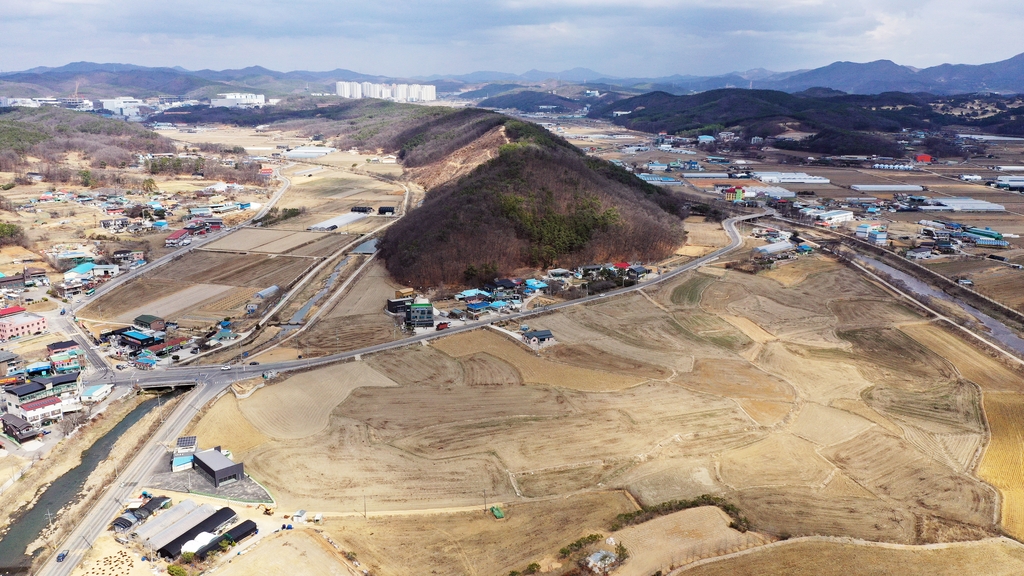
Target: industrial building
[[233, 536], [337, 222], [238, 100], [789, 178], [217, 468], [886, 188], [308, 152], [961, 205]]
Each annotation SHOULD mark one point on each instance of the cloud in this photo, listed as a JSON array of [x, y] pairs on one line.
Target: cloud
[[406, 37]]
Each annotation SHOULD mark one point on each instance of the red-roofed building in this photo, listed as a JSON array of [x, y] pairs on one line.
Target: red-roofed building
[[924, 158], [622, 265], [11, 311], [168, 346], [43, 409]]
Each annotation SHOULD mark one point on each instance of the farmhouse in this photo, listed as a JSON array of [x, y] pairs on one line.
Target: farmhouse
[[539, 338], [217, 467], [150, 322], [18, 428]]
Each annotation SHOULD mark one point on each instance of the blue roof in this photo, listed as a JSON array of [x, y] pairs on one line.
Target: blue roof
[[499, 304], [477, 305], [474, 292], [535, 283], [38, 366], [136, 334], [148, 361], [83, 268], [89, 391]]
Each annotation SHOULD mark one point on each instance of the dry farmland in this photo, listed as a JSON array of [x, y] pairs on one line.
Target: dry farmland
[[295, 552], [994, 557], [1003, 462], [814, 401]]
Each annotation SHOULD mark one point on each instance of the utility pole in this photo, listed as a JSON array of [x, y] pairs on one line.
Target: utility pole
[[485, 500], [49, 518], [364, 506]]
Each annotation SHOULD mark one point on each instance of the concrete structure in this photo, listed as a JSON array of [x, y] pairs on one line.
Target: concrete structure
[[238, 100], [123, 106], [21, 324], [45, 398], [217, 467]]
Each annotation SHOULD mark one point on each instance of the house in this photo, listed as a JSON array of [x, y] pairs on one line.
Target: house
[[8, 362], [601, 561], [21, 324], [637, 272], [63, 362], [177, 238], [539, 338], [922, 253], [18, 428], [96, 393], [150, 322]]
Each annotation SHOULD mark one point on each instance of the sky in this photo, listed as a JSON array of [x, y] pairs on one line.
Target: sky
[[406, 38]]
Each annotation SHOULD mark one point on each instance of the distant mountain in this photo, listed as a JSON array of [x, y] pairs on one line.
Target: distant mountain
[[96, 80], [530, 101]]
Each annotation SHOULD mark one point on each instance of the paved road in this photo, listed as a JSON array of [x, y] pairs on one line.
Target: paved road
[[211, 381]]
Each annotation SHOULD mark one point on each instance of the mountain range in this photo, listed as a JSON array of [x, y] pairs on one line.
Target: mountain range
[[94, 80]]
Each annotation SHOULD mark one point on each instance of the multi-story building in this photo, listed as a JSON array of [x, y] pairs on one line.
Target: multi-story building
[[45, 398], [398, 92], [21, 324], [122, 105]]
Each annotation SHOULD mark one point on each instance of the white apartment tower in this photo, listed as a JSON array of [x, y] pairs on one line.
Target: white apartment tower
[[397, 92]]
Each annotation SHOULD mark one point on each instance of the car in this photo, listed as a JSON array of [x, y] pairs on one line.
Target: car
[[254, 363], [443, 325], [194, 351], [63, 555], [225, 367]]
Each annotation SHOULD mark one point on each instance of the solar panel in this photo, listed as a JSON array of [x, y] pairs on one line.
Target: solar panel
[[186, 442]]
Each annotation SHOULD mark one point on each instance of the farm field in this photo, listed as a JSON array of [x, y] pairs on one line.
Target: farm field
[[1003, 462], [264, 240], [462, 543], [996, 557], [816, 403]]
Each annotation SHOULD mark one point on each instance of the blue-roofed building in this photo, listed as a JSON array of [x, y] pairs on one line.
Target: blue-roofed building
[[38, 369], [137, 340], [83, 271]]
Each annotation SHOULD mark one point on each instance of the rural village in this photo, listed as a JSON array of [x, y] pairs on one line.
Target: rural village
[[832, 356]]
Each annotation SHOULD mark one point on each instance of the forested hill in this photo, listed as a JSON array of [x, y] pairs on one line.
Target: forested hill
[[539, 202], [768, 112]]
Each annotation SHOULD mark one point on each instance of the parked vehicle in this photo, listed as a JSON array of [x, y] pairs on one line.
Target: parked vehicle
[[443, 325]]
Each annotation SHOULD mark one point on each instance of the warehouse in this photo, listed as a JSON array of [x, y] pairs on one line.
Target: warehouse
[[217, 467], [173, 531], [886, 188], [233, 536], [789, 178], [337, 222], [966, 205], [213, 524], [776, 248], [150, 322], [164, 520]]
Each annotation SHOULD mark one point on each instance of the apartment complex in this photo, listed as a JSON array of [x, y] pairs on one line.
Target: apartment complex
[[397, 92]]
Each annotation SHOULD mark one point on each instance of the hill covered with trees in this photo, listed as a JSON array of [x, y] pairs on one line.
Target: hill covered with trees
[[540, 202], [530, 101]]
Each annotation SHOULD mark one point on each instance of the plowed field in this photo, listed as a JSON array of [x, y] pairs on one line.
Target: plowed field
[[1003, 462]]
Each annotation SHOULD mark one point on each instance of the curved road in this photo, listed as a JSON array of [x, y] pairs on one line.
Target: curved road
[[210, 381]]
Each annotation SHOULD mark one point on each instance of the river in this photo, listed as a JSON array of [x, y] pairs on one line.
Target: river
[[26, 527], [997, 330]]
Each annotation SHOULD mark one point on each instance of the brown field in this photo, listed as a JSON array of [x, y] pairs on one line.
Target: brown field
[[327, 245], [256, 270], [225, 425], [534, 370], [300, 406], [464, 543], [993, 557], [708, 234], [128, 297], [680, 538], [816, 407], [294, 552], [170, 306], [980, 368], [1003, 462], [264, 240]]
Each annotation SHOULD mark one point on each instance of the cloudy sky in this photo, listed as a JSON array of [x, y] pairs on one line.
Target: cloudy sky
[[423, 37]]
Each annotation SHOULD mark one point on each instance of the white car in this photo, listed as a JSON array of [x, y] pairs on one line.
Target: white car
[[225, 367]]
